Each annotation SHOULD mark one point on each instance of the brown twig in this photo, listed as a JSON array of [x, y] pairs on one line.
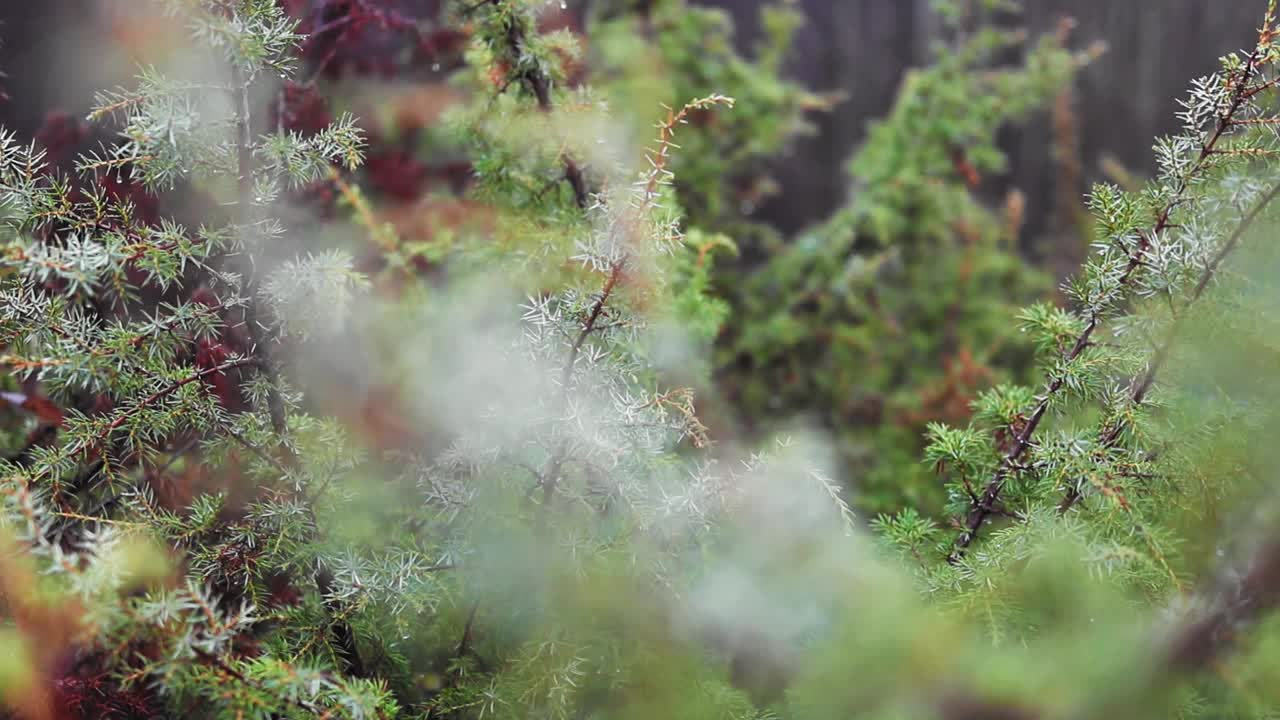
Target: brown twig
[[464, 645], [168, 390]]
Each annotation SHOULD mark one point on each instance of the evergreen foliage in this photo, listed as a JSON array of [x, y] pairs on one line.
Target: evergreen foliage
[[674, 49], [187, 534], [895, 312]]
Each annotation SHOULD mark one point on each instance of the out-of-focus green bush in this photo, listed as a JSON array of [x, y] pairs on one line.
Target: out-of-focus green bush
[[895, 312]]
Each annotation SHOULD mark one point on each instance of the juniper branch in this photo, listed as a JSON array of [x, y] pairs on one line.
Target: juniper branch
[[168, 390], [653, 179], [1141, 386], [981, 511], [98, 441], [1227, 608], [539, 83], [550, 475], [228, 670]]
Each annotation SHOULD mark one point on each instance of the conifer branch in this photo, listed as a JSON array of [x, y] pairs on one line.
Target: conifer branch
[[341, 634], [1023, 437], [168, 390], [99, 439], [539, 83], [549, 478], [1141, 386], [653, 179]]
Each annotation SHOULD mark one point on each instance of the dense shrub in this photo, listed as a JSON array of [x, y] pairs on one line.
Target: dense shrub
[[895, 312]]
